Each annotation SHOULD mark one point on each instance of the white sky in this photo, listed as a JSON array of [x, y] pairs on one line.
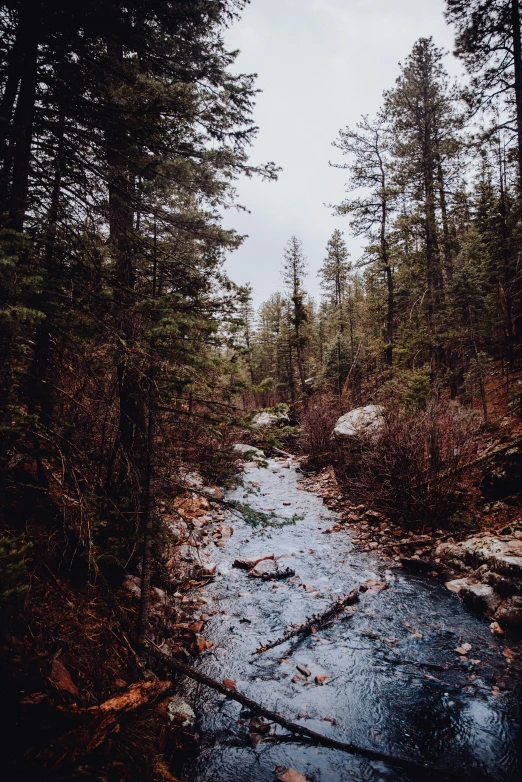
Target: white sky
[[321, 64]]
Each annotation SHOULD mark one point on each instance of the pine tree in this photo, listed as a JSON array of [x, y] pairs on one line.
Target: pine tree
[[294, 267], [370, 169]]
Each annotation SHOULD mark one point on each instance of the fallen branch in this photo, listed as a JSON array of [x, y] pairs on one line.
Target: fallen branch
[[280, 450], [314, 622], [293, 727], [352, 370]]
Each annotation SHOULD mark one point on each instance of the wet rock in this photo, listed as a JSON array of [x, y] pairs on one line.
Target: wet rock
[[214, 493], [181, 713], [502, 585], [501, 554], [456, 585], [417, 565], [480, 597], [266, 420], [246, 563], [510, 613], [207, 567], [361, 421], [249, 452]]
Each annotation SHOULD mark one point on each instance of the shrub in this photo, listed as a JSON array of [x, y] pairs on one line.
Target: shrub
[[317, 423], [411, 470]]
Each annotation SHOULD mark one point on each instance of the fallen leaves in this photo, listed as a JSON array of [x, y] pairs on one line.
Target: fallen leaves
[[230, 683], [463, 649], [61, 678]]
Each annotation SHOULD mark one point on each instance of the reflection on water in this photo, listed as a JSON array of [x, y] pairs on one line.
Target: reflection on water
[[381, 694]]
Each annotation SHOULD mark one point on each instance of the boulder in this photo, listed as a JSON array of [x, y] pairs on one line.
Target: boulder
[[249, 452], [510, 613], [502, 554], [361, 421], [481, 598], [266, 420]]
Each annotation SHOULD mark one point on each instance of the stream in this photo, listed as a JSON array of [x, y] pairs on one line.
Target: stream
[[385, 690]]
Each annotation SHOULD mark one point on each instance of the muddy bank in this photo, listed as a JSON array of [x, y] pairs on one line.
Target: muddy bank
[[412, 672]]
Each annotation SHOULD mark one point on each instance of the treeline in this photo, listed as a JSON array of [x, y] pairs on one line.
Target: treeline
[[122, 129], [433, 188]]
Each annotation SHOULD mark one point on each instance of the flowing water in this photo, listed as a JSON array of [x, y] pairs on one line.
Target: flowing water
[[382, 692]]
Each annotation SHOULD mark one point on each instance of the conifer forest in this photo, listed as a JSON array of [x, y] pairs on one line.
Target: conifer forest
[[245, 539]]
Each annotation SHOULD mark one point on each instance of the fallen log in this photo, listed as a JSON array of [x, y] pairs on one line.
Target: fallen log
[[293, 727], [314, 623]]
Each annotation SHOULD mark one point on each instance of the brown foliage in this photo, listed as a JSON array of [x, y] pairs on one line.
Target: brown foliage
[[317, 423], [411, 470]]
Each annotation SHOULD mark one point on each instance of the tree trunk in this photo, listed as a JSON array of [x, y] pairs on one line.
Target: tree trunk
[[517, 57], [22, 133]]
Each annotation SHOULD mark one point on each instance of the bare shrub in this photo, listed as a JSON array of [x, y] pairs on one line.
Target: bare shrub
[[317, 422], [411, 471]]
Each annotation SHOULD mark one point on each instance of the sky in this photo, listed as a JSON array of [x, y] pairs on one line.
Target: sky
[[321, 64]]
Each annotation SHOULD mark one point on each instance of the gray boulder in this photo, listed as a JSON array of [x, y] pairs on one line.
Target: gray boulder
[[361, 421], [266, 420], [249, 452]]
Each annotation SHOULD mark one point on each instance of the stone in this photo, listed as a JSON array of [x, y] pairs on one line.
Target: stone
[[266, 420], [456, 585], [481, 597], [302, 669], [510, 613], [249, 452], [361, 421], [213, 493], [207, 566], [181, 713], [501, 554], [132, 585]]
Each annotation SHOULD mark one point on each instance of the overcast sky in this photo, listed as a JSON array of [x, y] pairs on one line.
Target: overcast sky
[[321, 64]]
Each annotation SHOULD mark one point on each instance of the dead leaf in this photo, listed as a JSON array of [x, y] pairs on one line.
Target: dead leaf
[[322, 678], [61, 678], [464, 649], [496, 629], [230, 683], [291, 775], [510, 655]]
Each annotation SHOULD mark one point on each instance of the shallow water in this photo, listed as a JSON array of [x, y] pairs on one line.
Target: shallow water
[[381, 694]]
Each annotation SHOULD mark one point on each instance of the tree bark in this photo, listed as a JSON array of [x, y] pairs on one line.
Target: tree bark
[[517, 57], [22, 133]]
